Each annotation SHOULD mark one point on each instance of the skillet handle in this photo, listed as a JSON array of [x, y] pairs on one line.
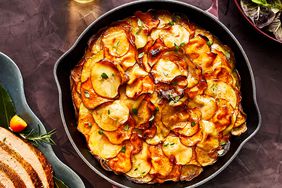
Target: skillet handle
[[213, 10]]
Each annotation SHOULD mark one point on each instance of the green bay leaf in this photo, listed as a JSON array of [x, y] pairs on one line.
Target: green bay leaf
[[7, 108]]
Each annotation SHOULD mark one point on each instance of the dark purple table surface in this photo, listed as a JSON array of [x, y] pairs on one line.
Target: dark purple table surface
[[35, 33]]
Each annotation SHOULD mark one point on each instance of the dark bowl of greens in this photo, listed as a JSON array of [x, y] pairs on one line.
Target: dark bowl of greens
[[264, 15]]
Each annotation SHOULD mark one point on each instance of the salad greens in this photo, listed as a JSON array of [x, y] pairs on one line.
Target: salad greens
[[265, 14]]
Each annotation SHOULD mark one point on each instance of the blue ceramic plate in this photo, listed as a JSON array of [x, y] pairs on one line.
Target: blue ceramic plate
[[11, 79]]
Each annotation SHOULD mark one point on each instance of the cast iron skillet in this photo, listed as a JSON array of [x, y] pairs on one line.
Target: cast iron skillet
[[67, 62]]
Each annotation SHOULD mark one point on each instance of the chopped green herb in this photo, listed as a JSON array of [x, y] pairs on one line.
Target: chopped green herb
[[193, 124], [116, 45], [222, 143], [109, 112], [135, 169], [104, 76], [143, 173], [140, 26], [126, 127], [123, 149], [171, 23], [209, 43], [141, 55], [157, 109], [86, 94], [139, 23], [172, 144], [182, 44], [113, 74], [166, 144], [134, 111], [101, 132], [4, 139]]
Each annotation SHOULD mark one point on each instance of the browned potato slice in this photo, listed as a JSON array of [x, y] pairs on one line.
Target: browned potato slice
[[175, 35], [121, 134], [160, 163], [96, 44], [191, 140], [174, 175], [199, 53], [76, 98], [138, 32], [85, 121], [87, 67], [140, 164], [206, 104], [161, 133], [115, 40], [224, 115], [205, 158], [173, 147], [122, 162], [169, 66], [136, 142], [142, 114], [105, 79], [139, 87], [222, 74], [174, 117], [135, 72], [237, 131], [222, 90], [240, 119], [211, 143], [149, 21], [190, 129], [146, 179], [100, 146], [89, 98], [189, 172], [110, 117], [129, 102]]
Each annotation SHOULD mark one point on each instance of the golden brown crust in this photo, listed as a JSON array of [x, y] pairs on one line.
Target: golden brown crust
[[165, 102]]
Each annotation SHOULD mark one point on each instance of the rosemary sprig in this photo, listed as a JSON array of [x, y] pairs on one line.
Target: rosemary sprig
[[36, 139]]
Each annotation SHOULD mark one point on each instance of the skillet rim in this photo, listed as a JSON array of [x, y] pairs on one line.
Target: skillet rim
[[124, 6]]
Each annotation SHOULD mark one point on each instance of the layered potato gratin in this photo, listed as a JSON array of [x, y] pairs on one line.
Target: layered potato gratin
[[157, 97]]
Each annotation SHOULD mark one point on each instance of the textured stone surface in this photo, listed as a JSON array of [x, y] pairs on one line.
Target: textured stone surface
[[35, 33]]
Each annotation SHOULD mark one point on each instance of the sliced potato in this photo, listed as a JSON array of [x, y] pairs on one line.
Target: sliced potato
[[85, 121], [147, 19], [146, 179], [142, 114], [175, 35], [138, 32], [136, 142], [105, 79], [222, 74], [135, 72], [110, 117], [89, 97], [96, 45], [206, 104], [173, 147], [76, 98], [122, 162], [161, 133], [115, 40], [237, 131], [140, 164], [205, 158], [100, 146], [139, 87], [87, 67], [121, 134], [168, 67], [160, 163], [174, 175], [174, 117], [189, 172], [188, 130], [224, 116], [191, 140], [240, 119], [222, 90]]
